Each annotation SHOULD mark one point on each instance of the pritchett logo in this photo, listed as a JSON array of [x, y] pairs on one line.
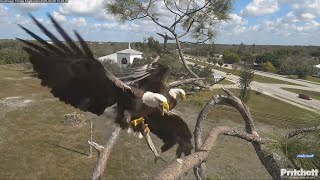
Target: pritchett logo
[[301, 173]]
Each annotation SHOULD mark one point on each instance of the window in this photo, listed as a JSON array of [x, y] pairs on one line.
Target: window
[[124, 61]]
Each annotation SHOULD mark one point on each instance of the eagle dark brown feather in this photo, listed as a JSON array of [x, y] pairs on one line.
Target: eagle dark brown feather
[[172, 129], [72, 73]]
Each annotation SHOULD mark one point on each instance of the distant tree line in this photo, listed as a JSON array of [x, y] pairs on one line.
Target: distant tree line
[[290, 60]]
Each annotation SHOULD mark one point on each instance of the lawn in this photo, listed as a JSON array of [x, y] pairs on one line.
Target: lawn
[[264, 108], [312, 94], [36, 145], [258, 78], [309, 78], [226, 82]]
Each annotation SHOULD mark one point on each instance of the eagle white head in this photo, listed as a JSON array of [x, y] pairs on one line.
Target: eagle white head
[[156, 100], [177, 93]]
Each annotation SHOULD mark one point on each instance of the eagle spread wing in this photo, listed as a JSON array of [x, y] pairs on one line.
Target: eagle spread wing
[[72, 72]]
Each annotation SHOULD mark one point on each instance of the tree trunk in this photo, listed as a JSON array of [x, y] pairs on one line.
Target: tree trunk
[[165, 42]]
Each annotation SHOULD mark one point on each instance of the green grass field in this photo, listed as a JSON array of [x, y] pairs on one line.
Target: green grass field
[[312, 94], [226, 82], [36, 145], [309, 78], [265, 109], [257, 78]]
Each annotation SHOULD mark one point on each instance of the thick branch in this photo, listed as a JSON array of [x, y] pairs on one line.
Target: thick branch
[[303, 130], [267, 159], [181, 166], [234, 101], [199, 170], [103, 154]]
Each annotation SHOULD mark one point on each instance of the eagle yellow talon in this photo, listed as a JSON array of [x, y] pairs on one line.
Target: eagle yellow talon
[[137, 121], [146, 129]]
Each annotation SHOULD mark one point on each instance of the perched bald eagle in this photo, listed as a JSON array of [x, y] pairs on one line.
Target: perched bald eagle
[[77, 78], [170, 127]]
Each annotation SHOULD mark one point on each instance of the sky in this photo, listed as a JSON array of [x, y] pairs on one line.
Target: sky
[[274, 22]]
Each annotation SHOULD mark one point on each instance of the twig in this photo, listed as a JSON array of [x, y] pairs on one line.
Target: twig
[[91, 139]]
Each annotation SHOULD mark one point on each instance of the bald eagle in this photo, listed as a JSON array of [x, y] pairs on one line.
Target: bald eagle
[[77, 78], [170, 127]]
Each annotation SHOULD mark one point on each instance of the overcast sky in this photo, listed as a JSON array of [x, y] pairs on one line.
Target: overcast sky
[[283, 22]]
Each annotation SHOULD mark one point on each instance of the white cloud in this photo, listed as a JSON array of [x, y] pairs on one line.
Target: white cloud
[[91, 8], [305, 10], [261, 7], [78, 22], [308, 16], [59, 17], [235, 25], [4, 16], [255, 28]]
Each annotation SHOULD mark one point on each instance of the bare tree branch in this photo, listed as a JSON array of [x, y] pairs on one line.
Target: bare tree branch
[[173, 12], [248, 137], [303, 130], [234, 101], [266, 158], [103, 154], [181, 166], [200, 169], [188, 13]]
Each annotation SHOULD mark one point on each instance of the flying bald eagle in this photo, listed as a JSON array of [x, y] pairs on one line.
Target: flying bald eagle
[[77, 78], [170, 127]]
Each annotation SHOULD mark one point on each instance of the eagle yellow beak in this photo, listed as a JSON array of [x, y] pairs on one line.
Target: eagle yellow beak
[[165, 107]]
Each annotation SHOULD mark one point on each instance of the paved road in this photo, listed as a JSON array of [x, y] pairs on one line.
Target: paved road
[[275, 90]]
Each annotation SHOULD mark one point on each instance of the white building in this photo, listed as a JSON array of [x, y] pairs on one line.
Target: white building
[[317, 70], [124, 57], [216, 77]]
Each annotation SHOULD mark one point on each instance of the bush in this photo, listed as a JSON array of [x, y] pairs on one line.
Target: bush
[[201, 72], [177, 69], [230, 57], [268, 67], [13, 55], [140, 61]]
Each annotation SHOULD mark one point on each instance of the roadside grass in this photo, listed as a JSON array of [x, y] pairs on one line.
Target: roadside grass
[[309, 78], [258, 78], [264, 109], [312, 94], [226, 82]]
